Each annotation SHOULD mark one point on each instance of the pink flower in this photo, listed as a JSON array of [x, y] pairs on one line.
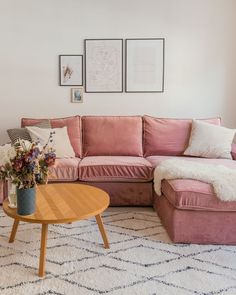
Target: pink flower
[[17, 165]]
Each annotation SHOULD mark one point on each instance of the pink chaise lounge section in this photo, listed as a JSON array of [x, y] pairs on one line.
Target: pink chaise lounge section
[[189, 209]]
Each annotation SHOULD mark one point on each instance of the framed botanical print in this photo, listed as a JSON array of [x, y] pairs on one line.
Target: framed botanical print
[[103, 65], [71, 70], [144, 65]]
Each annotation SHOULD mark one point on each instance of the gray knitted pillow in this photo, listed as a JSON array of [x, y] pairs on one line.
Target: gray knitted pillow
[[22, 133]]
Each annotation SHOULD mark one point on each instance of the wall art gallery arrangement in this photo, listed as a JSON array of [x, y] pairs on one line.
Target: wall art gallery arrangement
[[102, 69]]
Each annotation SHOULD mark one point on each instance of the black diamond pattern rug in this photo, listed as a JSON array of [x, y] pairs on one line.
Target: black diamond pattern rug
[[141, 259]]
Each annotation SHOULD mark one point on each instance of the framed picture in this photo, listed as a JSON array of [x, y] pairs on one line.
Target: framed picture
[[77, 94], [71, 70], [144, 65], [103, 65]]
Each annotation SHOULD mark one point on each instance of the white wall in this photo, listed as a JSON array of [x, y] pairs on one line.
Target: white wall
[[200, 68]]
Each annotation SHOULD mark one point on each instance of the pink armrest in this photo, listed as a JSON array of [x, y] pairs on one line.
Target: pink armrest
[[233, 152]]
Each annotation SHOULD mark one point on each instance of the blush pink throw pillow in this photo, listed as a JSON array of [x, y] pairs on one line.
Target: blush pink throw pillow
[[168, 137], [73, 125], [112, 136]]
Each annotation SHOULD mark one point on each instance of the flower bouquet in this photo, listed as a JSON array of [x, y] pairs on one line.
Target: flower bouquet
[[26, 164]]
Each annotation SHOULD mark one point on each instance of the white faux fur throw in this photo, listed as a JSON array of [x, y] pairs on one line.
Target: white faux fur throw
[[223, 179]]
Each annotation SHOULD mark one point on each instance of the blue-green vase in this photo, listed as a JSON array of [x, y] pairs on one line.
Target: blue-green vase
[[25, 201]]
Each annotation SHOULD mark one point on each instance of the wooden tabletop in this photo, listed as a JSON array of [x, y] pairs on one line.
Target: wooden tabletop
[[63, 202]]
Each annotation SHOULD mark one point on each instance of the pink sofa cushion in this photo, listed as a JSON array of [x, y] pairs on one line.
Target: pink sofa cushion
[[168, 136], [194, 195], [112, 136], [115, 168], [73, 125], [65, 169]]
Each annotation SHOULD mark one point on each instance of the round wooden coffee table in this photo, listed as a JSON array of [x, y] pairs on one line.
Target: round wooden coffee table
[[62, 203]]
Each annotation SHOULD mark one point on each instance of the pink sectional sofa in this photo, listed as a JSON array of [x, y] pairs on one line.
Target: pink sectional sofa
[[119, 154]]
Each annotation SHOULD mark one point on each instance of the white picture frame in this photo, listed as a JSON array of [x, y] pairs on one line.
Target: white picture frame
[[70, 70], [77, 95], [144, 65], [103, 65]]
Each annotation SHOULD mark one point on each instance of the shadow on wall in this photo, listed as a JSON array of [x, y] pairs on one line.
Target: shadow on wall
[[229, 104], [4, 137]]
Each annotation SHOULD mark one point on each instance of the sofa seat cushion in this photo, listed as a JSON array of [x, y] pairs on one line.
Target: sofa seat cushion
[[115, 168], [191, 194], [65, 169]]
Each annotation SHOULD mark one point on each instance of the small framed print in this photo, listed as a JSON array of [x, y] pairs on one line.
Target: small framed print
[[77, 94], [71, 70]]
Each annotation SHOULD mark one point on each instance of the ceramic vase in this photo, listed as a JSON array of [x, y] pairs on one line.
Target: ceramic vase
[[25, 201]]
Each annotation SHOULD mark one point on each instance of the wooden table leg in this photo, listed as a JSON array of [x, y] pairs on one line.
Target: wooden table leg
[[13, 231], [102, 231], [42, 258]]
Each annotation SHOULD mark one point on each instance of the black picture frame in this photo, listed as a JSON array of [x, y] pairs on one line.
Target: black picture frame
[[159, 89], [87, 63], [78, 72]]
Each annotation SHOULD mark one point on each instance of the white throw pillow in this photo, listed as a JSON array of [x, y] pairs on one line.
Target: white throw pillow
[[210, 141], [61, 142]]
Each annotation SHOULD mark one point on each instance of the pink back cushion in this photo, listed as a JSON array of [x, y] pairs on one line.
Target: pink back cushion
[[112, 136], [73, 125], [168, 137]]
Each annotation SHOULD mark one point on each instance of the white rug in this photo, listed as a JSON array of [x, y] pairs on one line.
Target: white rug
[[141, 260]]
